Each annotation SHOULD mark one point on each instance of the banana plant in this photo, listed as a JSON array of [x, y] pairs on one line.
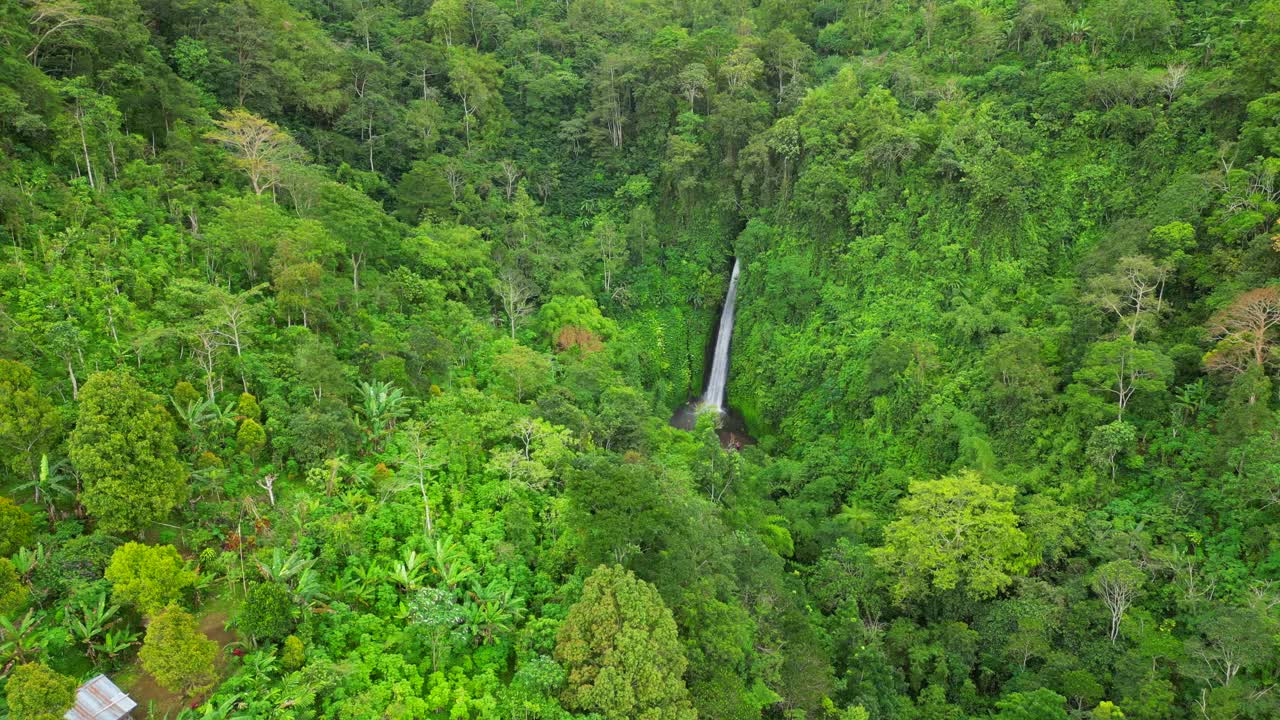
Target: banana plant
[[227, 709], [51, 484], [117, 641], [204, 583], [309, 588], [382, 404], [367, 579], [283, 568], [449, 561], [407, 572], [87, 622], [491, 611], [355, 501], [260, 664], [22, 640], [26, 560]]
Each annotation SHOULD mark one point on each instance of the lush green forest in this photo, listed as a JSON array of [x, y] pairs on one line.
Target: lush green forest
[[339, 339]]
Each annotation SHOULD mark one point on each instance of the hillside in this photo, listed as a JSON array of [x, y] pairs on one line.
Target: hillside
[[339, 341]]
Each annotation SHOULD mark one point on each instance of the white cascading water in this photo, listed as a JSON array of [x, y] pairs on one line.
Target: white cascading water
[[714, 396]]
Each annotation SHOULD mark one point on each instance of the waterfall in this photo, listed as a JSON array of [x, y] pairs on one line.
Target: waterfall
[[714, 395]]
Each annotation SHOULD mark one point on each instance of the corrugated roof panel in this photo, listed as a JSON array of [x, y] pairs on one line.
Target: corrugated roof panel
[[100, 699]]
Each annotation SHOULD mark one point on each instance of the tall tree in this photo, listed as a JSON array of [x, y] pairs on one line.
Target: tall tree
[[29, 424], [260, 147], [618, 645], [123, 447], [1118, 584], [959, 532], [1245, 331], [1133, 293]]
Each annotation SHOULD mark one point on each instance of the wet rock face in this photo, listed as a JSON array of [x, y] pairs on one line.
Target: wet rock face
[[713, 396], [729, 424]]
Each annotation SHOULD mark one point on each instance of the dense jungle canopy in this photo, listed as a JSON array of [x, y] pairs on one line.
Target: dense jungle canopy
[[339, 339]]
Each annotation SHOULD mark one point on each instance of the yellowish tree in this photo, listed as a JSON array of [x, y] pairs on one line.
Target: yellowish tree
[[261, 148], [177, 654], [958, 532]]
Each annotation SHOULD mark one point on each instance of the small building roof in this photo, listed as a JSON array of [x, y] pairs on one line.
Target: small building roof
[[100, 699]]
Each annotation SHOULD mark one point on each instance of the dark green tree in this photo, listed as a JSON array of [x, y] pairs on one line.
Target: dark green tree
[[618, 645], [267, 612], [123, 447]]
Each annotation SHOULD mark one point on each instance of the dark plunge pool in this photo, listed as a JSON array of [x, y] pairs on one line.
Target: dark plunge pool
[[732, 429]]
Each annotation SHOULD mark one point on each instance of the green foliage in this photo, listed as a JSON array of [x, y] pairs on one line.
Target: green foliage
[[294, 653], [35, 692], [250, 437], [13, 593], [1041, 704], [16, 526], [521, 372], [247, 407], [149, 577], [123, 447], [177, 654], [267, 612], [959, 532], [440, 271], [619, 647], [184, 394], [29, 423]]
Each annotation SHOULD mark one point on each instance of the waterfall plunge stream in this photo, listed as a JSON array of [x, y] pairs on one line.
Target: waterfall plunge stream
[[713, 397], [731, 429]]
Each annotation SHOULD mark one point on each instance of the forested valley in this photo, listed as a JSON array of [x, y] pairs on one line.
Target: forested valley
[[339, 341]]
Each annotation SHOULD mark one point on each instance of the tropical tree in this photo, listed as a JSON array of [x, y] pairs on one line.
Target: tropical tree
[[36, 692], [149, 577], [29, 424], [267, 612], [959, 532], [620, 651], [440, 617], [1245, 331], [16, 527], [177, 654], [123, 448], [261, 148], [1118, 584]]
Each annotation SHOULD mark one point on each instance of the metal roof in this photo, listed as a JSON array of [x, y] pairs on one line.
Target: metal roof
[[100, 699]]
